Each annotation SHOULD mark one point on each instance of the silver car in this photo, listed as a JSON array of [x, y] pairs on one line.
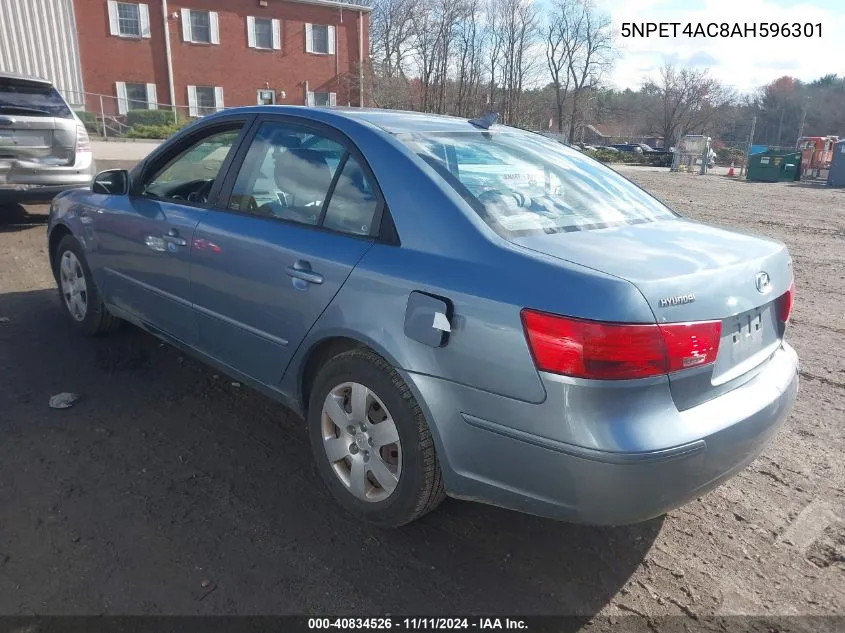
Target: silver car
[[455, 307], [44, 147]]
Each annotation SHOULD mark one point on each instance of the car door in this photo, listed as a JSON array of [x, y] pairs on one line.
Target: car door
[[301, 212], [144, 239]]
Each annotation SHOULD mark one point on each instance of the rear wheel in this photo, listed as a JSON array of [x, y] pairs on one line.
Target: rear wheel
[[77, 290], [371, 441]]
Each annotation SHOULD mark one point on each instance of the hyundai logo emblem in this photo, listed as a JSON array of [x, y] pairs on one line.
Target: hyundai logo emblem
[[764, 284]]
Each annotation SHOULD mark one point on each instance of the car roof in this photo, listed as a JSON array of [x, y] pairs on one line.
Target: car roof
[[392, 121], [25, 78]]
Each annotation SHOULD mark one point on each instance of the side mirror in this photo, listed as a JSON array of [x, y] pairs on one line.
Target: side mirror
[[112, 182]]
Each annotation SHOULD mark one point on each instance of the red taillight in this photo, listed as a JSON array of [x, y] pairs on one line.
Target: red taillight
[[83, 142], [785, 303], [618, 351]]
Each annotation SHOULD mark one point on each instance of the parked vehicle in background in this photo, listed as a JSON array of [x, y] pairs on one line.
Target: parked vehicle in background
[[44, 147], [454, 307], [628, 147]]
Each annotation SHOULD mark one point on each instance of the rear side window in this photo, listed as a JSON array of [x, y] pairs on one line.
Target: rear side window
[[522, 183], [294, 174], [32, 100]]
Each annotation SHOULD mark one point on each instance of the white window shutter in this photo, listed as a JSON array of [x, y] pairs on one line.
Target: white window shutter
[[309, 98], [152, 98], [218, 97], [214, 22], [144, 14], [250, 31], [309, 39], [122, 102], [331, 33], [332, 98], [186, 26], [277, 34], [192, 101], [114, 24]]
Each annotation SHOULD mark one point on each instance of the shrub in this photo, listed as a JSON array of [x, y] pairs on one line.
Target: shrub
[[149, 117], [153, 131], [89, 120], [656, 160]]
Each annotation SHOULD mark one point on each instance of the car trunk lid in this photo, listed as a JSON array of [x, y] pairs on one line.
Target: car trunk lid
[[688, 271]]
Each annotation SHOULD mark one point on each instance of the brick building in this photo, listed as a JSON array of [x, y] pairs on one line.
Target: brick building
[[198, 54]]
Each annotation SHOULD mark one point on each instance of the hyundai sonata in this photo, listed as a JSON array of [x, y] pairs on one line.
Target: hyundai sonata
[[455, 307]]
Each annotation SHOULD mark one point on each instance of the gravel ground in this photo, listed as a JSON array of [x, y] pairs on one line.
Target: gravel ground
[[167, 489]]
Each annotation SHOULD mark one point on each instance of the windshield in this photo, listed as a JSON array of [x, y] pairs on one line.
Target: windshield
[[521, 183], [32, 100]]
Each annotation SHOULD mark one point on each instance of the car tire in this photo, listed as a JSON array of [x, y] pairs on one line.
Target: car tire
[[411, 463], [78, 293]]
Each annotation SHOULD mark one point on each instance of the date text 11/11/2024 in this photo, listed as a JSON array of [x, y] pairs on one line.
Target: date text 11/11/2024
[[417, 624], [721, 29]]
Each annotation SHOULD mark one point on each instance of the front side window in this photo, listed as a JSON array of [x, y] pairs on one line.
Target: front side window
[[190, 175], [522, 183], [129, 19], [294, 174], [200, 26]]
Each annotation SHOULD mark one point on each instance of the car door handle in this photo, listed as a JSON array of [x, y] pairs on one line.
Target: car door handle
[[302, 270], [172, 237]]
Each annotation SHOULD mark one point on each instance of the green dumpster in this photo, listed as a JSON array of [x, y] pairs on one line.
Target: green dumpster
[[774, 166]]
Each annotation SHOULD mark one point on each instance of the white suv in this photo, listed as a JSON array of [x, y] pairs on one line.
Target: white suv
[[44, 147]]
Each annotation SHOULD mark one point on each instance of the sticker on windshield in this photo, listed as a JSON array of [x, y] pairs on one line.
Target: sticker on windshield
[[525, 222]]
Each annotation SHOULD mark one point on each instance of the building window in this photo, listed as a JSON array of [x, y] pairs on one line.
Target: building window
[[129, 19], [200, 27], [266, 97], [203, 100], [264, 33], [135, 96], [322, 99], [319, 38]]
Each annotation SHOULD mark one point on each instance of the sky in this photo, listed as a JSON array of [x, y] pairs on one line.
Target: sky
[[744, 63]]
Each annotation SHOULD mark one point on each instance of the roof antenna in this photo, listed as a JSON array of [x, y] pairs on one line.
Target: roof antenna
[[486, 121]]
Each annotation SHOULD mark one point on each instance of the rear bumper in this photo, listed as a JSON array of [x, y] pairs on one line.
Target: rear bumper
[[22, 180], [490, 459]]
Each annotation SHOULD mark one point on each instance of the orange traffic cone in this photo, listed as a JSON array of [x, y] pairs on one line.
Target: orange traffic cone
[[731, 170]]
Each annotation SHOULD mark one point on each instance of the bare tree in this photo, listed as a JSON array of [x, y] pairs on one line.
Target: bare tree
[[562, 43], [686, 100], [469, 42], [518, 27], [592, 56]]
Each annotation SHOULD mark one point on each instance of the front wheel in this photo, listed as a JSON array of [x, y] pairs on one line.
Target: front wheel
[[77, 290], [371, 441]]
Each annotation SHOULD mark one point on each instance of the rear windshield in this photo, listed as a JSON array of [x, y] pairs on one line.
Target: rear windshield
[[32, 100], [522, 183]]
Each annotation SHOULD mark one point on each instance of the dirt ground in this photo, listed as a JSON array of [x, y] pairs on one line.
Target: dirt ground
[[167, 489]]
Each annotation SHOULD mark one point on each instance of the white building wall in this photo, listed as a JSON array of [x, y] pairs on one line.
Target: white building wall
[[38, 37]]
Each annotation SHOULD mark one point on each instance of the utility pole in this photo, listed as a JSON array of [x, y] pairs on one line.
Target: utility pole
[[743, 169], [780, 125]]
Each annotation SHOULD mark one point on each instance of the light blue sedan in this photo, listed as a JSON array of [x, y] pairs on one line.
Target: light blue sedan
[[455, 307]]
